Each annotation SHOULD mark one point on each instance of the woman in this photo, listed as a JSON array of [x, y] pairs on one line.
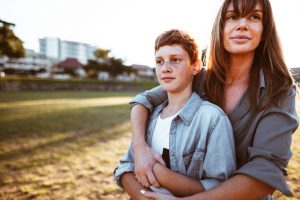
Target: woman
[[247, 77]]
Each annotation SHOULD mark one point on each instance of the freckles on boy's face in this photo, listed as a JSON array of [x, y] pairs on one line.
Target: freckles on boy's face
[[174, 70]]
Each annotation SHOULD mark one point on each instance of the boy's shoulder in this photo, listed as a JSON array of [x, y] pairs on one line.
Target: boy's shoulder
[[208, 109], [196, 109]]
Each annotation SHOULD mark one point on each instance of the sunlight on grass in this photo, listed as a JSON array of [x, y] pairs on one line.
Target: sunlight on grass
[[69, 103], [66, 146]]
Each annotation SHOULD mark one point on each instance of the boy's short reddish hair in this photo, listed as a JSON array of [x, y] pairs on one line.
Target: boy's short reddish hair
[[178, 37]]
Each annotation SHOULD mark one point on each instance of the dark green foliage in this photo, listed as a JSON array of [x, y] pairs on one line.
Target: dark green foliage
[[10, 45]]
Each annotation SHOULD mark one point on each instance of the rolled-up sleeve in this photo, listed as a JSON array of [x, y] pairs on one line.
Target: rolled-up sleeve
[[126, 165], [220, 160], [150, 98], [270, 152]]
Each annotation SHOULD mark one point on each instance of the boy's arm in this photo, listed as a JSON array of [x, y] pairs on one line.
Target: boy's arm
[[132, 186], [238, 187], [179, 184]]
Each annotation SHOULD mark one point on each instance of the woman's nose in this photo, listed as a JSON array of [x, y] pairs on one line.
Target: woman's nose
[[242, 23]]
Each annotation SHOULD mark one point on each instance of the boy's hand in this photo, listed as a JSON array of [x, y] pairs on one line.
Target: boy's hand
[[157, 196], [144, 159]]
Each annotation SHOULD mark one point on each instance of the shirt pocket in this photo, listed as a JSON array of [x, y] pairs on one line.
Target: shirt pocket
[[193, 161]]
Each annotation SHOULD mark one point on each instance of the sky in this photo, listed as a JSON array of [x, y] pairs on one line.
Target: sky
[[129, 27]]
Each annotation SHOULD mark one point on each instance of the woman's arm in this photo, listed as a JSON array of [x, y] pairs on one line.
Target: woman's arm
[[145, 157], [179, 184]]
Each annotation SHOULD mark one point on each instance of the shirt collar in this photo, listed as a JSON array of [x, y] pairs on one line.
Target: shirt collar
[[188, 111]]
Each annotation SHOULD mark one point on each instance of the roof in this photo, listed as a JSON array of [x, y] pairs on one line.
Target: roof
[[141, 67], [70, 63]]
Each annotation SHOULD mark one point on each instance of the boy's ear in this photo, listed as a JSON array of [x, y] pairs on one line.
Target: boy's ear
[[196, 68]]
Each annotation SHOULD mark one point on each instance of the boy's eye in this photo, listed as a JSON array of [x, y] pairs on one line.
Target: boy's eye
[[175, 60], [159, 62]]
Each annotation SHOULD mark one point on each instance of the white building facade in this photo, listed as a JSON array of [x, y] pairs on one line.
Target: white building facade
[[57, 49], [32, 61]]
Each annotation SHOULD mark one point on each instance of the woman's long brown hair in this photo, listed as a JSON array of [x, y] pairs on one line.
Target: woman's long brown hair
[[268, 58]]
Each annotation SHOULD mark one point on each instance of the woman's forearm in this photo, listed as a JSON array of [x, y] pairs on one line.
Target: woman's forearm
[[144, 156], [138, 117], [180, 185]]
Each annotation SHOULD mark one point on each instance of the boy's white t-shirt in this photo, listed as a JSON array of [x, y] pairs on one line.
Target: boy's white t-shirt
[[160, 140]]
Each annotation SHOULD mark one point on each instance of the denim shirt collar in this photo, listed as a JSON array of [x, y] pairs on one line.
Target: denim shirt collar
[[188, 111]]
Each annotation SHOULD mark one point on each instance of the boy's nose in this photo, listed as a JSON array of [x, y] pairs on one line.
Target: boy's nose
[[167, 67]]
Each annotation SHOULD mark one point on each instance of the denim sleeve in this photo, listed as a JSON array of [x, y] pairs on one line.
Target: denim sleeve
[[270, 152], [126, 165], [150, 98], [220, 160]]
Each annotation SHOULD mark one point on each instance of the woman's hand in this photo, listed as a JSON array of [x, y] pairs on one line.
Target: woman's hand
[[157, 196], [144, 159]]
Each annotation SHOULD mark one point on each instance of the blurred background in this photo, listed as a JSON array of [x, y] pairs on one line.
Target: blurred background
[[67, 72]]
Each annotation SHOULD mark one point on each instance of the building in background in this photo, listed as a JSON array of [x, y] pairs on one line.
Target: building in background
[[144, 72], [59, 50], [31, 61]]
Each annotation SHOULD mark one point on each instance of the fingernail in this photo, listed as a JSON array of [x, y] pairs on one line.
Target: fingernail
[[143, 191]]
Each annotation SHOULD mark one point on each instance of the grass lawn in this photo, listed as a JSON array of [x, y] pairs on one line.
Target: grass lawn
[[65, 145]]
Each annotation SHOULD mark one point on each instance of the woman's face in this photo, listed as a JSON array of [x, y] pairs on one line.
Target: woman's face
[[242, 35]]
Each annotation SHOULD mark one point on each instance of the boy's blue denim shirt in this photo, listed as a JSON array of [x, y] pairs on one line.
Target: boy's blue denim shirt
[[201, 143]]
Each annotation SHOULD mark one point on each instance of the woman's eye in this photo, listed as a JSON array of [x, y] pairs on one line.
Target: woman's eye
[[230, 17], [255, 17]]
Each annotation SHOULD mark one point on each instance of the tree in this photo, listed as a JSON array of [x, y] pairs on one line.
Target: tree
[[116, 67], [102, 54], [93, 67], [10, 45]]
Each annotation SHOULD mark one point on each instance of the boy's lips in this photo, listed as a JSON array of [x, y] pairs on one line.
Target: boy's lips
[[167, 79]]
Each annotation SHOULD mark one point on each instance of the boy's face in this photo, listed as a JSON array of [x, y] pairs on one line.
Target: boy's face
[[174, 70]]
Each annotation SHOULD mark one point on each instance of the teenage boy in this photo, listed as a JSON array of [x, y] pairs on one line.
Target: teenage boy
[[193, 136]]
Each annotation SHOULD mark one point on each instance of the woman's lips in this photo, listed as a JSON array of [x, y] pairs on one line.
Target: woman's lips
[[240, 38]]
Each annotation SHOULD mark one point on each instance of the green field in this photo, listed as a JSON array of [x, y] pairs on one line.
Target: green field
[[65, 145]]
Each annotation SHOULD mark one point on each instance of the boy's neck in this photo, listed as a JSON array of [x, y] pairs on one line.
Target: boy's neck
[[176, 101]]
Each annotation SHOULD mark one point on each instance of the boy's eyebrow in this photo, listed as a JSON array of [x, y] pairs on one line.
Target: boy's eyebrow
[[169, 55], [175, 55]]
